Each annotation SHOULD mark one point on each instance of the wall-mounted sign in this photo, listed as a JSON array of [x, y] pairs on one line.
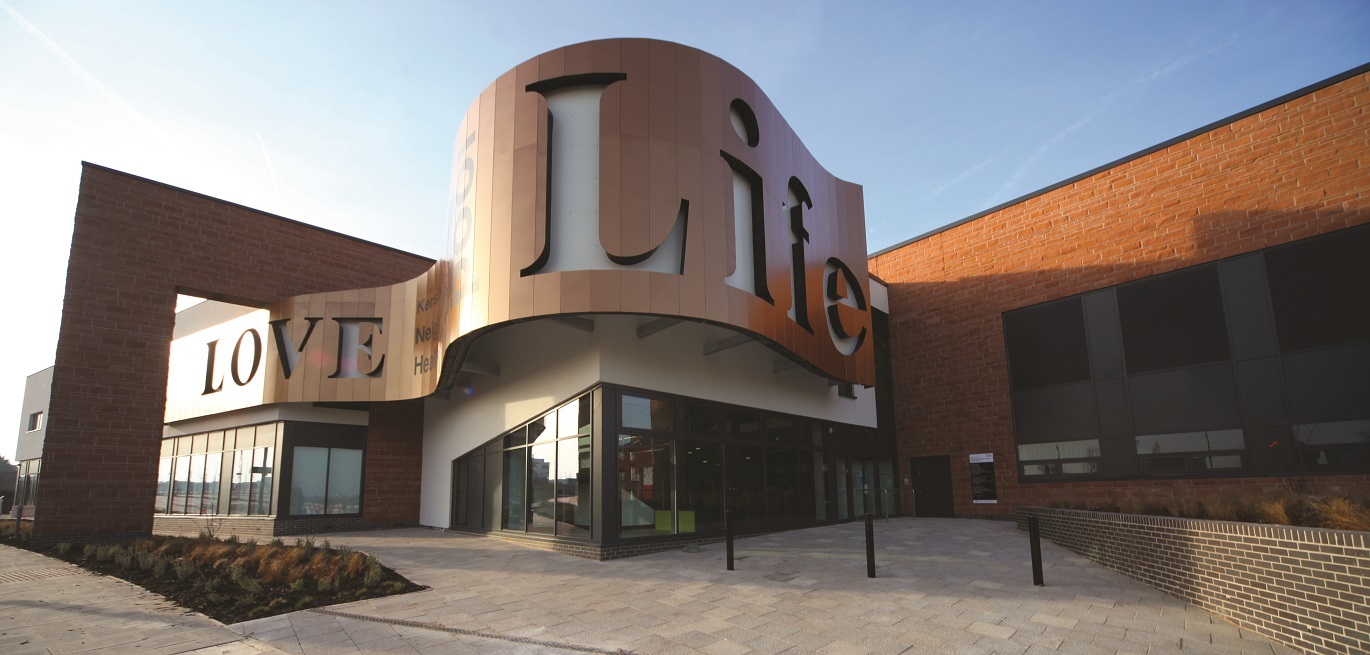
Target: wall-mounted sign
[[670, 186], [982, 490]]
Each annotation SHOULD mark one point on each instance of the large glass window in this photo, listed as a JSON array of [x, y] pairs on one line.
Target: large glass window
[[746, 487], [542, 483], [180, 488], [645, 413], [515, 489], [1173, 320], [1190, 452], [160, 505], [1059, 458], [1340, 445], [1046, 344], [573, 487], [308, 480], [699, 489], [325, 481], [213, 471], [645, 486]]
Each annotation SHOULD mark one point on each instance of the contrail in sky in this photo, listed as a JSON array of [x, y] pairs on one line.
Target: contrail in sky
[[82, 73], [1097, 107], [269, 168]]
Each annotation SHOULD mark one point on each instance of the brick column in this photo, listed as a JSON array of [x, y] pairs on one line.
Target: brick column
[[135, 243]]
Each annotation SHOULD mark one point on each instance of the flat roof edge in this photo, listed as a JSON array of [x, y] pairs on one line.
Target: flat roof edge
[[254, 210], [1270, 104]]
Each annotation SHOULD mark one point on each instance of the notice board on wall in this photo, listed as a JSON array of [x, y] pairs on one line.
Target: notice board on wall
[[982, 490]]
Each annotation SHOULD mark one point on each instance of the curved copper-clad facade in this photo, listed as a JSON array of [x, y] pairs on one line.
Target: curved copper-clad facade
[[694, 200]]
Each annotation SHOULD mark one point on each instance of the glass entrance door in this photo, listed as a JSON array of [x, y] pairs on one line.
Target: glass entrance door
[[864, 487]]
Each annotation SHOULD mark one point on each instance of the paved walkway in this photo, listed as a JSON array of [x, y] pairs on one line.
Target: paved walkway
[[49, 607], [944, 586]]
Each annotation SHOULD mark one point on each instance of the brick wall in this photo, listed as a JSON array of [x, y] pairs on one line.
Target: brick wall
[[257, 527], [134, 244], [394, 458], [1288, 172], [1303, 587]]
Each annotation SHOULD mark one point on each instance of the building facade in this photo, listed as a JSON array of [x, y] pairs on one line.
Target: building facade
[[603, 363], [656, 318], [1190, 320]]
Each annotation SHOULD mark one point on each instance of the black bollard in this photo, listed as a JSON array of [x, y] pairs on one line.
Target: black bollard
[[728, 537], [1036, 538], [870, 545]]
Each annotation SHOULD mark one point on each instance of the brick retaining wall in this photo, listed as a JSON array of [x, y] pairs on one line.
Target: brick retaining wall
[[1303, 587], [248, 527]]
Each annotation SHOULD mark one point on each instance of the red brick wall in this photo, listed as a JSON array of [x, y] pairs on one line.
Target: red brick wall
[[1292, 171], [394, 458], [134, 244]]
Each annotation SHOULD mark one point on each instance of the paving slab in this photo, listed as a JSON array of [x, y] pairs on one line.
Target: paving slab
[[49, 607], [944, 586]]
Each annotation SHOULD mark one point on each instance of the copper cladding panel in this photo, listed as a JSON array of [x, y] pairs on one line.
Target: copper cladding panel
[[663, 132]]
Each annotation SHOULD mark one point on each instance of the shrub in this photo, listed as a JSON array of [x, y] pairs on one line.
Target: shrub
[[184, 568], [1344, 514]]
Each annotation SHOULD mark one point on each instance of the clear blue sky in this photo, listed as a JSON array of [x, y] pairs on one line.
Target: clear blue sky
[[342, 114]]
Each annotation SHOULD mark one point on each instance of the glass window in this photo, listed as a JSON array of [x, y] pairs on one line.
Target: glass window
[[491, 516], [1190, 442], [1059, 458], [1059, 450], [699, 489], [645, 486], [576, 417], [240, 486], [344, 481], [1318, 289], [181, 486], [744, 426], [308, 480], [1046, 344], [573, 487], [842, 481], [1164, 454], [820, 478], [542, 486], [746, 487], [779, 430], [646, 413], [195, 488], [461, 473], [262, 469], [543, 429], [516, 438], [695, 419], [213, 471], [1173, 320], [163, 486], [515, 488], [1340, 445]]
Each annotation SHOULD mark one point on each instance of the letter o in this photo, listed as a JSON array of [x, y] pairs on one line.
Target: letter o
[[256, 357]]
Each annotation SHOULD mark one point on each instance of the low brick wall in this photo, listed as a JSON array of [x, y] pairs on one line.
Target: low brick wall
[[247, 527], [1303, 587]]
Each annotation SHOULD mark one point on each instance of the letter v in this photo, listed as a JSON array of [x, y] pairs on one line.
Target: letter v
[[285, 346]]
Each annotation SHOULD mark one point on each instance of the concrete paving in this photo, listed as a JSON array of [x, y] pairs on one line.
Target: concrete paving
[[958, 587], [49, 607]]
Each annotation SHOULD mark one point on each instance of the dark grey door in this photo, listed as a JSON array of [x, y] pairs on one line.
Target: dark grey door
[[932, 486]]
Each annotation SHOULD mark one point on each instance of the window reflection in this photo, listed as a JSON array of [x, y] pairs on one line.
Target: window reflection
[[700, 487], [645, 413], [645, 486]]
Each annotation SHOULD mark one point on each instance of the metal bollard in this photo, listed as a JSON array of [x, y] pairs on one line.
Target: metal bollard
[[870, 545], [728, 536], [1035, 538]]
